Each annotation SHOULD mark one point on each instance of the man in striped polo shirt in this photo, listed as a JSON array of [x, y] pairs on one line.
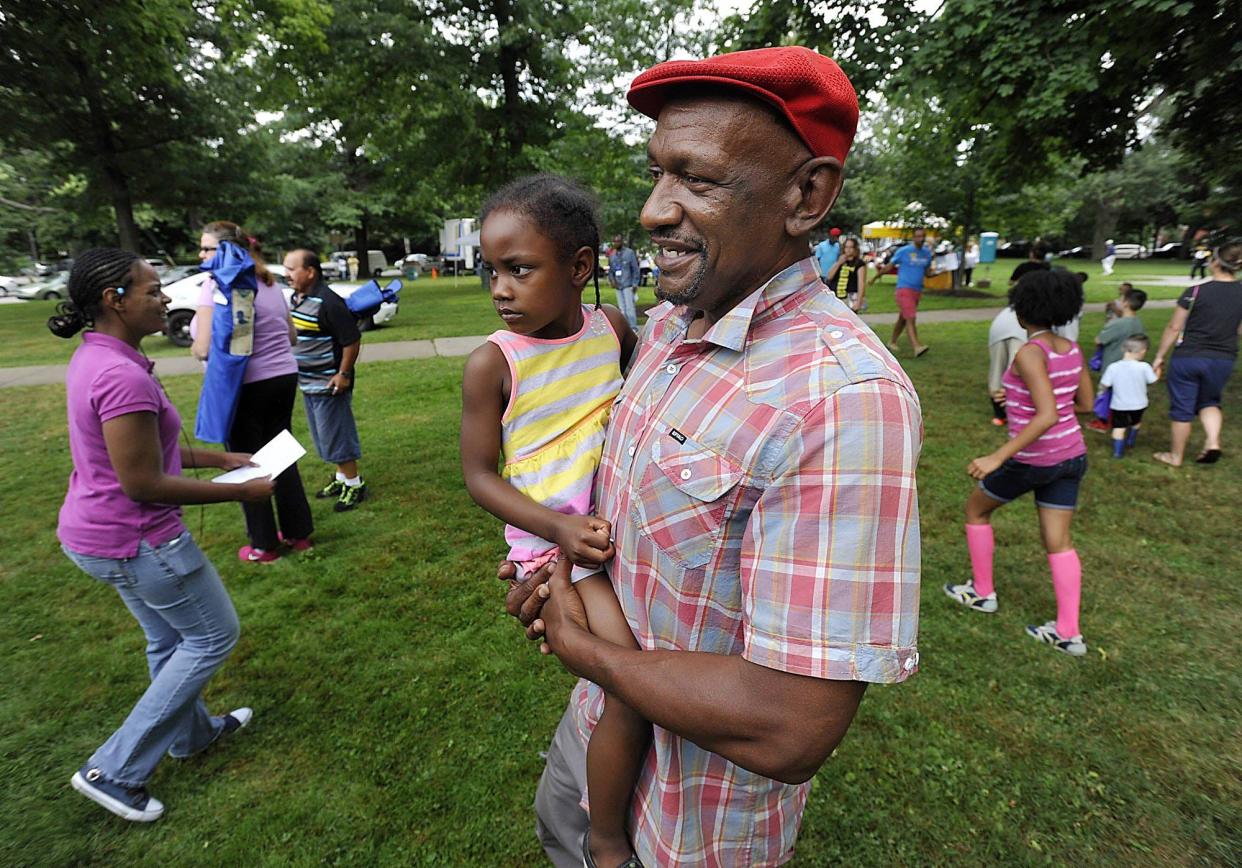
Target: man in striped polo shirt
[[327, 347]]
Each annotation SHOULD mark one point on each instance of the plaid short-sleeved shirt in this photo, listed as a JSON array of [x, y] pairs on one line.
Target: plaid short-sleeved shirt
[[761, 486]]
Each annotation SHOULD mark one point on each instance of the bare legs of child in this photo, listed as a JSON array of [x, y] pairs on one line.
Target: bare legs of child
[[619, 743]]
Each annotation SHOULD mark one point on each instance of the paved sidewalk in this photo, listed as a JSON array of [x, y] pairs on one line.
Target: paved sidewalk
[[390, 351]]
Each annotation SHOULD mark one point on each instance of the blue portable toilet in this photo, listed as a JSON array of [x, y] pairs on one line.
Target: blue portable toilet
[[987, 246]]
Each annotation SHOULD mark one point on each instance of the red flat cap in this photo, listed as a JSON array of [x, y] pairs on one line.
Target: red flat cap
[[810, 90]]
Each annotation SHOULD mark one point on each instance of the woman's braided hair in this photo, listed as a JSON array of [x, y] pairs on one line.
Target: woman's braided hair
[[94, 271], [562, 210]]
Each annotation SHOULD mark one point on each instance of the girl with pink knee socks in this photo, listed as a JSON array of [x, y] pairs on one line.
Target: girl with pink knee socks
[[1045, 454]]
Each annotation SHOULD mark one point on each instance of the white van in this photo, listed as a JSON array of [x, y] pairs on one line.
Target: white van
[[371, 268]]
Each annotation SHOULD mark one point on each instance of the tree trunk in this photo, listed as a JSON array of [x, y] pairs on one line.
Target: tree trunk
[[32, 238], [1106, 210], [105, 151], [968, 225], [362, 244], [122, 206], [509, 61]]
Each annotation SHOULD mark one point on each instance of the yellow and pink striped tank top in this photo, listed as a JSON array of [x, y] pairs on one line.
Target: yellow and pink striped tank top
[[552, 431]]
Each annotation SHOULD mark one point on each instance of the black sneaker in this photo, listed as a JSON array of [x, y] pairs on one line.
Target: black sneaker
[[332, 489], [236, 719], [233, 721], [128, 803], [351, 496]]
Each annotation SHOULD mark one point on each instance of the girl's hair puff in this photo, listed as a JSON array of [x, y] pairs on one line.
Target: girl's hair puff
[[561, 209], [1046, 297], [93, 272]]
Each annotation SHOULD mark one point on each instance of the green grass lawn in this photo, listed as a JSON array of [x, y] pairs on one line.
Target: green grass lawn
[[400, 714], [449, 307]]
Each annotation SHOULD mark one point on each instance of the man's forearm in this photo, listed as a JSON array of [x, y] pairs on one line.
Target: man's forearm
[[773, 723], [349, 357]]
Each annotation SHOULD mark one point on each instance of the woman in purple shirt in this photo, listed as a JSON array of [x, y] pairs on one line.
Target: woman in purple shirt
[[265, 406], [121, 523]]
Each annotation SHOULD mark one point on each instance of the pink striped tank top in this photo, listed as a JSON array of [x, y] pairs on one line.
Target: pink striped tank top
[[1063, 440], [552, 431]]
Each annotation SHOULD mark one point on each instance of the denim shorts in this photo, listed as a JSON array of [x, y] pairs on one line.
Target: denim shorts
[[1055, 486], [331, 422], [1194, 383]]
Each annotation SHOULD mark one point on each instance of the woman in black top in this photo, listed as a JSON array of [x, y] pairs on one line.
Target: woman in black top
[[855, 269], [1203, 335]]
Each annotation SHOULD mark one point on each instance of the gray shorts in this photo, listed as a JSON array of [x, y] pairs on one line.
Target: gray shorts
[[560, 821], [332, 428]]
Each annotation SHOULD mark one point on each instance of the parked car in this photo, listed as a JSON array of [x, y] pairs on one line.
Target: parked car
[[178, 272], [53, 288], [184, 298], [8, 284], [1131, 251], [53, 267], [1168, 250], [422, 261], [1079, 251]]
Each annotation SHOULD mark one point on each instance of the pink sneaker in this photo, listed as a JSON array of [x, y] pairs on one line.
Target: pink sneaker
[[298, 545], [250, 554]]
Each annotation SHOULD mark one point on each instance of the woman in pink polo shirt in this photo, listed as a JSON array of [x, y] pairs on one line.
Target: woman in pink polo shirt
[[121, 523]]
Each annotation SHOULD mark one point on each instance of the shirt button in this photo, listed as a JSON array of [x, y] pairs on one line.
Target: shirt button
[[685, 474], [632, 450], [671, 369], [836, 336]]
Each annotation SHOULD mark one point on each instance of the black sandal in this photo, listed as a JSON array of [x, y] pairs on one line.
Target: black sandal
[[1208, 456]]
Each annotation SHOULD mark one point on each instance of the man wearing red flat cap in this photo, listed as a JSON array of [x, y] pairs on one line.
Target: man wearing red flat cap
[[759, 475]]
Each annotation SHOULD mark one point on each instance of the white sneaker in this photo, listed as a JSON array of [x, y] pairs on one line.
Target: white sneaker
[[129, 803], [1047, 633], [968, 597]]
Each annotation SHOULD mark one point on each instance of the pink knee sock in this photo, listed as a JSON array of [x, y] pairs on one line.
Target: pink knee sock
[[1067, 584], [980, 544]]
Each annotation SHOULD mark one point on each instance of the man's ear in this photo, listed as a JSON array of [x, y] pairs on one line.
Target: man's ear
[[585, 262], [815, 187]]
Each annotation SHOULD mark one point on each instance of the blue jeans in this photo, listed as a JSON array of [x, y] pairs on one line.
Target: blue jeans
[[179, 601], [625, 302]]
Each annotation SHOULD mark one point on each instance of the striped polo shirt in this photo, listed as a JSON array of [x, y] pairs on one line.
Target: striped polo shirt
[[324, 325]]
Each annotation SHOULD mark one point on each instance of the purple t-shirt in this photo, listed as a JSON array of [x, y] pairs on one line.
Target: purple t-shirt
[[271, 354], [108, 378]]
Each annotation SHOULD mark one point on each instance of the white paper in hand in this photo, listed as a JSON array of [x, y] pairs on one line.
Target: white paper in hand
[[272, 460]]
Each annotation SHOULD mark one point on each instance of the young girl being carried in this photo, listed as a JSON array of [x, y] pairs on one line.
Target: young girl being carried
[[538, 395], [1045, 453]]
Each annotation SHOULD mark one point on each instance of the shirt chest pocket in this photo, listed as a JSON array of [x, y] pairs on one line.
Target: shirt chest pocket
[[683, 499]]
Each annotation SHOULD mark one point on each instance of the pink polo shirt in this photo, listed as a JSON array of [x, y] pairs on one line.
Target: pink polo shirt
[[108, 378]]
